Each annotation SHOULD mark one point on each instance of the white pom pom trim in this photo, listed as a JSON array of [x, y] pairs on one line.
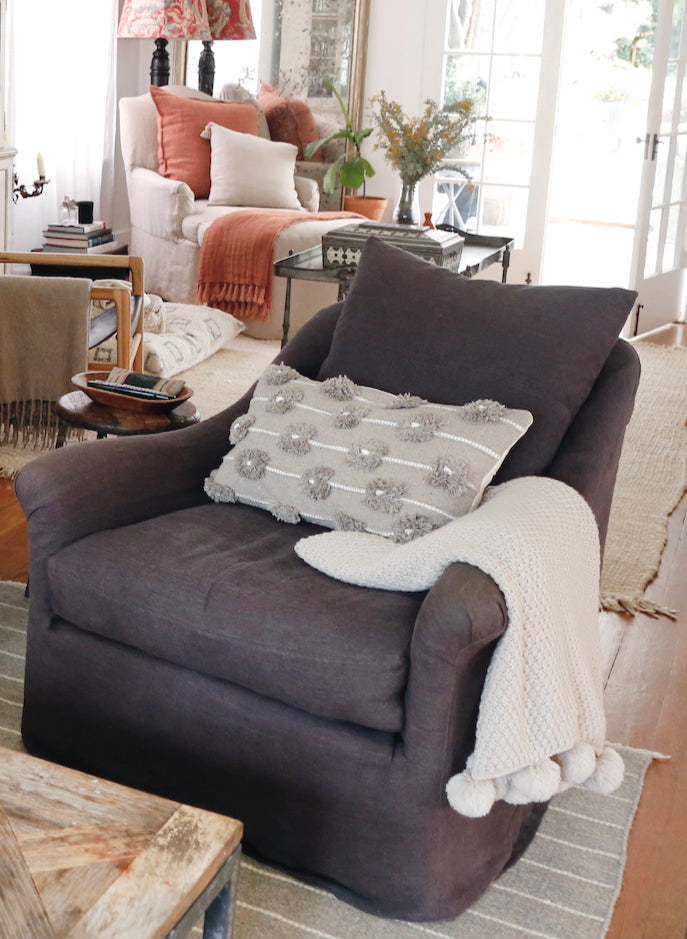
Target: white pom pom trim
[[577, 764], [475, 798], [534, 783], [471, 797], [608, 774]]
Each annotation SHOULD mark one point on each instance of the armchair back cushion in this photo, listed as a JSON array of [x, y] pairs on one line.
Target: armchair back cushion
[[537, 349], [183, 154]]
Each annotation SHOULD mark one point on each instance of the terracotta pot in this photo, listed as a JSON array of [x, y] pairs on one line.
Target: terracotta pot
[[371, 207]]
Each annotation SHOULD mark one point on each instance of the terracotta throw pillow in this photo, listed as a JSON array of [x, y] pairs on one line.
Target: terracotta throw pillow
[[289, 120], [354, 458], [182, 153]]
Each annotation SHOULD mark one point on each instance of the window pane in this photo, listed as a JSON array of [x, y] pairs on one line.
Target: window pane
[[651, 263], [509, 152], [670, 259], [467, 77], [470, 24], [496, 25], [519, 26], [676, 31], [514, 88], [503, 211], [668, 98], [659, 194], [455, 201], [679, 168]]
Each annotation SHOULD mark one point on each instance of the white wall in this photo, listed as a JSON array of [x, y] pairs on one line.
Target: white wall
[[404, 60]]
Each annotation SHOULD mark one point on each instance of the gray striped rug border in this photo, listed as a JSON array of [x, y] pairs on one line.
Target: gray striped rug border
[[565, 886]]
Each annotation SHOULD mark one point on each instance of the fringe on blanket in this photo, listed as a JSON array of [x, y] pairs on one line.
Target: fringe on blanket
[[636, 604], [244, 301], [32, 426]]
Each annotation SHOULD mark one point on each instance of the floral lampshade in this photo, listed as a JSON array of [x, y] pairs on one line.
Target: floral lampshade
[[230, 19], [164, 19]]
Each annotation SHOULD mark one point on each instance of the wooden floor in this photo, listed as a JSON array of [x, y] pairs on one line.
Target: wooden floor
[[646, 703]]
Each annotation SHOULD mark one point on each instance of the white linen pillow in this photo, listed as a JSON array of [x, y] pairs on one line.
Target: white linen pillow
[[248, 170], [355, 458]]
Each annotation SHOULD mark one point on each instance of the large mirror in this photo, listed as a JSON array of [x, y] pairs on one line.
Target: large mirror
[[298, 44]]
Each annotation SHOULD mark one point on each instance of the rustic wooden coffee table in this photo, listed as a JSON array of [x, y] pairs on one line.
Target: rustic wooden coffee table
[[83, 858]]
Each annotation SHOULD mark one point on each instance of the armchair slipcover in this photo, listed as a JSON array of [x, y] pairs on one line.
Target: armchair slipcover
[[168, 223], [181, 646]]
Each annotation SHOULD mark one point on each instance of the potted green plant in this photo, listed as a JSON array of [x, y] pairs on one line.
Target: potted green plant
[[351, 169]]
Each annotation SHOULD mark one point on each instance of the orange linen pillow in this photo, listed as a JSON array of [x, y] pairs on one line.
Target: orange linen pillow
[[290, 120], [182, 153]]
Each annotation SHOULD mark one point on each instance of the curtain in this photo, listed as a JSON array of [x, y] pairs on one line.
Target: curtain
[[62, 104]]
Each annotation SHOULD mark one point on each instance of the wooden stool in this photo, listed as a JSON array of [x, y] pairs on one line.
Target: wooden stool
[[78, 410]]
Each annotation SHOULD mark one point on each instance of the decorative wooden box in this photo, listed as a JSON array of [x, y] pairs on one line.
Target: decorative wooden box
[[342, 246]]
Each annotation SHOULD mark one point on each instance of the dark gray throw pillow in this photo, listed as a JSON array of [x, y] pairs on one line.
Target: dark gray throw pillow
[[409, 326]]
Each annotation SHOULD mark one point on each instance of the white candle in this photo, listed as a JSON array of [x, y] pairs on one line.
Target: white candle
[[40, 162]]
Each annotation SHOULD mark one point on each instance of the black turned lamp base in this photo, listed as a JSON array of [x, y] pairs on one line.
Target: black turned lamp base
[[206, 68], [159, 67]]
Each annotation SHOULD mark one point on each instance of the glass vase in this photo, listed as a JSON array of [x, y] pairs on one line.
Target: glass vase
[[407, 211]]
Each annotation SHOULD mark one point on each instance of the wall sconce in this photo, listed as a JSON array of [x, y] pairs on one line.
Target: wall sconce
[[38, 184]]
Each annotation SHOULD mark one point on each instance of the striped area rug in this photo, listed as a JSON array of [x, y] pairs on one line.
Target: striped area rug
[[565, 886]]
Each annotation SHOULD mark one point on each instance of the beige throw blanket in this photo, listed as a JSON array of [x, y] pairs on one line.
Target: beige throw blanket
[[236, 257], [541, 720], [43, 342]]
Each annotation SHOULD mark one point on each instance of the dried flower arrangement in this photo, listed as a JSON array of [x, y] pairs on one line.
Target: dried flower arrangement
[[417, 146]]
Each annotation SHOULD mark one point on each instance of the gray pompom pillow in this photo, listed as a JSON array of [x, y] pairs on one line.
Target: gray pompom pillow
[[355, 458]]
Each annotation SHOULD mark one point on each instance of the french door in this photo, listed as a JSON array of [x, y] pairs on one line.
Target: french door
[[659, 256], [504, 54]]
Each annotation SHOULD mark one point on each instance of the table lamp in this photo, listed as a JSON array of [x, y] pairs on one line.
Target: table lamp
[[228, 19], [162, 20]]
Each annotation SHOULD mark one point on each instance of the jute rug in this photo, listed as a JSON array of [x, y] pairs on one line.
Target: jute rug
[[565, 886], [652, 476]]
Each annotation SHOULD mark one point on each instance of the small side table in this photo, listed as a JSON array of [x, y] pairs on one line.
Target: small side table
[[479, 252], [78, 410]]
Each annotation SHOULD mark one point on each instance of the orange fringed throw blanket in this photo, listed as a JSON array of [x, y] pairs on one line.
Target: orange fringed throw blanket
[[236, 256]]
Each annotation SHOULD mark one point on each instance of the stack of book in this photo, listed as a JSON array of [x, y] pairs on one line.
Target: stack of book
[[91, 238]]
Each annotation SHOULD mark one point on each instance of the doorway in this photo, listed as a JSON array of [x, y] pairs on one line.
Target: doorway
[[599, 141]]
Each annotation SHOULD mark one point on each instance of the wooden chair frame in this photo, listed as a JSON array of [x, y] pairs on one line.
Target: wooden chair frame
[[128, 306]]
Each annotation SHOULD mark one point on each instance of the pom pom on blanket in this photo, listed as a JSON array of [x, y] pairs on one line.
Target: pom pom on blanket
[[471, 797], [579, 765], [534, 783], [608, 773]]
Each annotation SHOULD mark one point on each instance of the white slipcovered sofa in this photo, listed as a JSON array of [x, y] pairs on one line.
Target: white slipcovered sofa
[[168, 224]]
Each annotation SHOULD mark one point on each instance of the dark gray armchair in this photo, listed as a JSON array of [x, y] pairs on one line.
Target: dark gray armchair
[[181, 646]]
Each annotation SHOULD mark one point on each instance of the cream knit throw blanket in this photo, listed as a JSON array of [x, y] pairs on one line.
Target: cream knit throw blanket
[[541, 724]]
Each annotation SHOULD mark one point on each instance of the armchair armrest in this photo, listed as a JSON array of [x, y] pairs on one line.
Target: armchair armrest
[[84, 488], [461, 620], [308, 193], [158, 205]]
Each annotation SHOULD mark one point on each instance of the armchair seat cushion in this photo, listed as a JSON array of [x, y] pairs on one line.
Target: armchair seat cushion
[[220, 590]]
